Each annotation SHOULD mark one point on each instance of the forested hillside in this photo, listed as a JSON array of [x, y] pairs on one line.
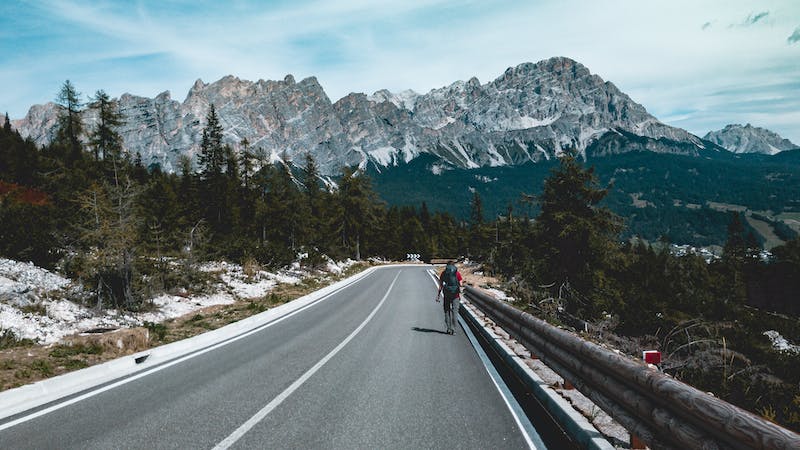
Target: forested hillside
[[128, 232], [684, 199], [102, 217]]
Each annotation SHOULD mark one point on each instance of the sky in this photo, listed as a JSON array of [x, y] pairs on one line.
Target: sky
[[698, 65]]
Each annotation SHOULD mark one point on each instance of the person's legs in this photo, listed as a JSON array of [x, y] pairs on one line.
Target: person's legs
[[447, 303], [454, 313]]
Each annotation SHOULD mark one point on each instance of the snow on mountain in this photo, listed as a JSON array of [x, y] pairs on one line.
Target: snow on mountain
[[749, 139], [532, 112]]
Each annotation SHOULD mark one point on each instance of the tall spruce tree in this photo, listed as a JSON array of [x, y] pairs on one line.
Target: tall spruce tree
[[575, 239], [314, 225], [212, 152], [7, 124], [212, 159], [246, 159], [359, 209], [105, 140], [477, 243], [70, 126]]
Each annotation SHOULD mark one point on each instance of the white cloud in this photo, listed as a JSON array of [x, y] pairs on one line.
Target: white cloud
[[670, 56]]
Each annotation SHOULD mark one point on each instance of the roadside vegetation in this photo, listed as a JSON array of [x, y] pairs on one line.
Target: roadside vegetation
[[708, 319], [24, 361], [127, 231]]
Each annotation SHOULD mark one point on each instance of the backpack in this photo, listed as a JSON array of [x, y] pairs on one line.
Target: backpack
[[450, 279]]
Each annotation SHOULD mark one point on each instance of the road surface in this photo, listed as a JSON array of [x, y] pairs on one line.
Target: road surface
[[367, 367]]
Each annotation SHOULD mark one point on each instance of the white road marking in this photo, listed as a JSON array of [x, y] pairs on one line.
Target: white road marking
[[260, 415], [165, 365], [524, 424]]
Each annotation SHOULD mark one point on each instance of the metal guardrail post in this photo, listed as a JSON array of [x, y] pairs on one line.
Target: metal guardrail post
[[663, 412]]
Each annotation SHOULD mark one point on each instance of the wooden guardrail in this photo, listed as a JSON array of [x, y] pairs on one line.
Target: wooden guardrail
[[441, 260], [662, 411]]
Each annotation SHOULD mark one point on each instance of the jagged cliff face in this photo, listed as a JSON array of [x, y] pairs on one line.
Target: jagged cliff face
[[749, 139], [531, 112]]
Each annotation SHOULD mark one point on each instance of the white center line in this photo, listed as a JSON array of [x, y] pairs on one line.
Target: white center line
[[259, 416]]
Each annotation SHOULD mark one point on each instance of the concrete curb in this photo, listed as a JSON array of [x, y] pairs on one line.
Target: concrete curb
[[574, 423], [24, 398]]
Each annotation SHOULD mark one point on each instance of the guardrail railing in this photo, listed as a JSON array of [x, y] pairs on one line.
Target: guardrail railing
[[662, 411]]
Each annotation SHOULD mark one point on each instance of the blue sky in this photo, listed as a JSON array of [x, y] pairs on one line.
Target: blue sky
[[698, 65]]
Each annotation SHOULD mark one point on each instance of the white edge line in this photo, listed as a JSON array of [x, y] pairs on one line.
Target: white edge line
[[260, 415], [523, 423], [527, 429], [170, 363]]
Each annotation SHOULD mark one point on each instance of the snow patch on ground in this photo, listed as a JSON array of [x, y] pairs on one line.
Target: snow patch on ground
[[20, 277], [172, 306], [34, 302], [500, 295], [338, 267], [780, 343]]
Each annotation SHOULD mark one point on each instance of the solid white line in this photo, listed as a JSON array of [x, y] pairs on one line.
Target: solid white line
[[260, 415], [524, 424], [166, 365]]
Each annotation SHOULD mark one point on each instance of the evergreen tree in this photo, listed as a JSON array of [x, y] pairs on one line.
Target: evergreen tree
[[478, 241], [7, 125], [188, 194], [425, 216], [105, 140], [214, 185], [246, 159], [70, 125], [233, 192], [735, 247], [575, 239], [731, 270], [359, 209], [277, 213], [314, 226], [212, 153]]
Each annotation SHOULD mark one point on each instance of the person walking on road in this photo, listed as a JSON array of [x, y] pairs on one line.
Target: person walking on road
[[450, 285]]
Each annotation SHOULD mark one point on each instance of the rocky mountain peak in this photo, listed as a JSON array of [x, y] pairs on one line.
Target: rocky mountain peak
[[746, 138], [531, 112]]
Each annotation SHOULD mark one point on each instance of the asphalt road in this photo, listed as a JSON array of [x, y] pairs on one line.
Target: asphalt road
[[368, 367]]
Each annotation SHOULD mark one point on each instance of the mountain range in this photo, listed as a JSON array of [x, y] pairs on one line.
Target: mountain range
[[497, 139], [531, 113]]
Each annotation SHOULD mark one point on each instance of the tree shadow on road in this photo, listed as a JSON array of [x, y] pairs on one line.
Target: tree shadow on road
[[427, 330]]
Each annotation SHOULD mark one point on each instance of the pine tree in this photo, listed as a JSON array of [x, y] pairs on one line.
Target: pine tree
[[246, 160], [477, 239], [212, 153], [70, 126], [735, 247], [7, 125], [575, 239], [276, 212], [733, 266], [212, 163], [233, 191], [105, 140], [313, 197], [359, 209]]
